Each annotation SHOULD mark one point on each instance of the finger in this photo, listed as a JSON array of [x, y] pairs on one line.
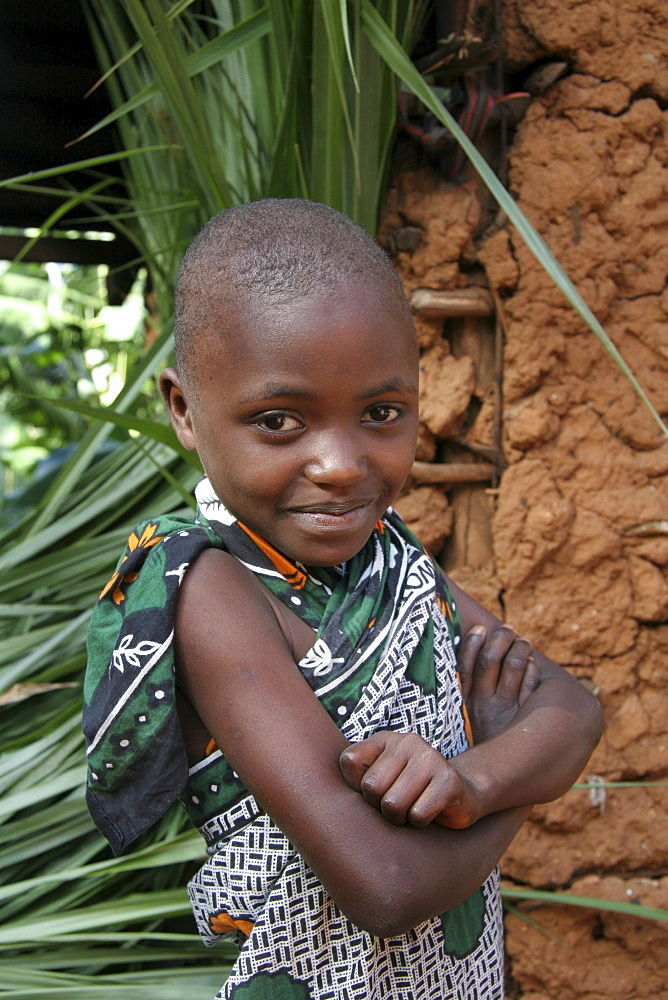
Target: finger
[[409, 786], [490, 657], [357, 758], [467, 655], [442, 795], [380, 776], [530, 681], [513, 669]]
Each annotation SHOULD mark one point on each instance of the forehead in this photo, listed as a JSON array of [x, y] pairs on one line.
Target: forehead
[[331, 327]]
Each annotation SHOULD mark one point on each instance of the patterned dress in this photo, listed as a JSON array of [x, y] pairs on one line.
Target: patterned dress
[[383, 658]]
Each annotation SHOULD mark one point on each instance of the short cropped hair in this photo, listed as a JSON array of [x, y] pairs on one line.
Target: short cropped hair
[[278, 250]]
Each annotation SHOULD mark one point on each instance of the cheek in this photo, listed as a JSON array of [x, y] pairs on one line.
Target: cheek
[[257, 475], [400, 458]]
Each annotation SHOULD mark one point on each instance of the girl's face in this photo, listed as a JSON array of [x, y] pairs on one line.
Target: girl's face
[[305, 418]]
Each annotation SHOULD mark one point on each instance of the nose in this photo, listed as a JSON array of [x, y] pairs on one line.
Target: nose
[[336, 461]]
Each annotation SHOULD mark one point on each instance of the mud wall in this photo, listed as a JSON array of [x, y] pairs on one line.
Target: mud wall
[[579, 521]]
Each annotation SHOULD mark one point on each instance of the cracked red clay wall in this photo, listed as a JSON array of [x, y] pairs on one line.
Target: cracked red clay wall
[[580, 528], [580, 525]]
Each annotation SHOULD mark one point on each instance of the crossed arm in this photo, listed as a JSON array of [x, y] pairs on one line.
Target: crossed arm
[[286, 749], [534, 727]]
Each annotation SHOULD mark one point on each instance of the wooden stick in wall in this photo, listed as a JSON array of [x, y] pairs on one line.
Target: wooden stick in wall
[[472, 301], [448, 473]]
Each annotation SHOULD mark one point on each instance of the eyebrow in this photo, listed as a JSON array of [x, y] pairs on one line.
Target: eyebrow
[[394, 385], [274, 390]]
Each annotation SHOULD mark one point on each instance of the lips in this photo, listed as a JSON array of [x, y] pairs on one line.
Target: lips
[[342, 507], [345, 514]]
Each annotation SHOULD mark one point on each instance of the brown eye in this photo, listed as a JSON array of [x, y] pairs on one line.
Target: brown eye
[[382, 414], [278, 422]]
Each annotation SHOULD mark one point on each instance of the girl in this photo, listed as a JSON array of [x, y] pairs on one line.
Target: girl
[[286, 663]]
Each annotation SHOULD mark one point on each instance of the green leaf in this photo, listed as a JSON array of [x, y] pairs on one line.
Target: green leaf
[[55, 217], [133, 908], [185, 847], [64, 782], [94, 161], [163, 433], [590, 902], [253, 28]]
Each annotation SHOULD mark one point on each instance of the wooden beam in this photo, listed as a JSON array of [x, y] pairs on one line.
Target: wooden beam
[[453, 472], [460, 302]]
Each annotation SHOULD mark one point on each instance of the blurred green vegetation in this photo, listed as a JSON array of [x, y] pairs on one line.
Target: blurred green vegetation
[[60, 340], [290, 99]]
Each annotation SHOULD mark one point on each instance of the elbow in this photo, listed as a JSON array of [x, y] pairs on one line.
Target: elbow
[[586, 714], [383, 919], [386, 904], [595, 722], [389, 896], [396, 912], [600, 721], [386, 921]]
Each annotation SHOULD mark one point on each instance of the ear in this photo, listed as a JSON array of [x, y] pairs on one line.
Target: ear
[[178, 408]]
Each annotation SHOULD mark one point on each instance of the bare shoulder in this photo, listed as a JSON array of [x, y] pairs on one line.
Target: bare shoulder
[[220, 604], [217, 598], [217, 582], [223, 604]]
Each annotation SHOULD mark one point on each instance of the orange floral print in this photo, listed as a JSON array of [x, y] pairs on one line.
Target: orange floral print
[[148, 538], [292, 574], [223, 923]]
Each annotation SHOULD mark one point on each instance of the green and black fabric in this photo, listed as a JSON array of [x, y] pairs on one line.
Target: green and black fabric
[[383, 658]]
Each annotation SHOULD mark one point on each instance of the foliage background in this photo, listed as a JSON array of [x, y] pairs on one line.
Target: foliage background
[[212, 110]]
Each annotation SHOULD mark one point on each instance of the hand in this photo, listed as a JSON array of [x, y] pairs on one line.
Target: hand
[[498, 673], [409, 782]]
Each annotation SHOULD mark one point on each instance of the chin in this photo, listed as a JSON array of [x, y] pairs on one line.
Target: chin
[[318, 556]]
